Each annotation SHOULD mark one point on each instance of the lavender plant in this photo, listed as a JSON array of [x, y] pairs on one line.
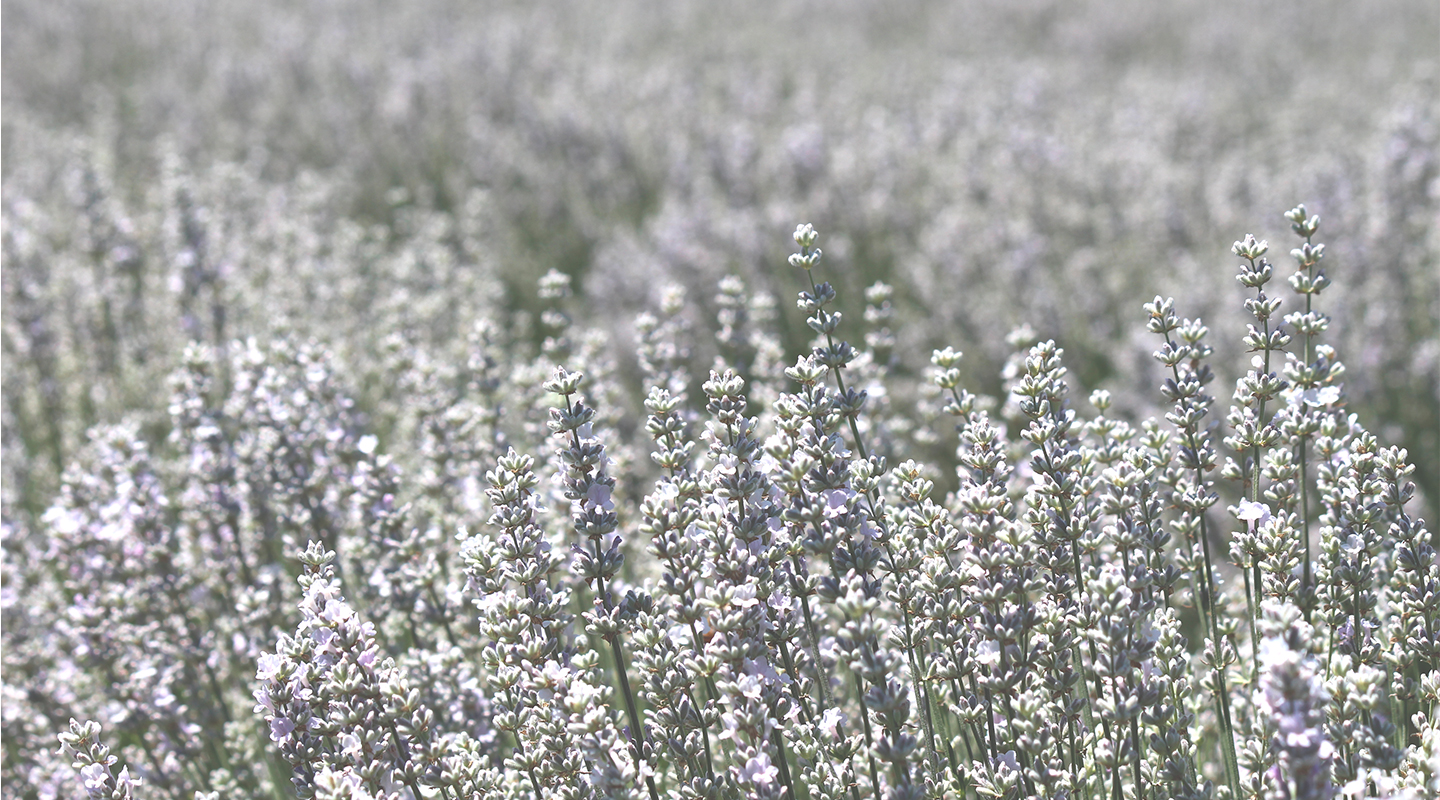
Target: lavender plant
[[354, 174], [766, 607], [291, 293]]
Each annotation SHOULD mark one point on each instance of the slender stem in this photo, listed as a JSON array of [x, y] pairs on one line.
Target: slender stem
[[779, 742], [637, 732], [1307, 585], [1209, 613], [821, 679], [1139, 756], [637, 737], [794, 674], [869, 742], [705, 734]]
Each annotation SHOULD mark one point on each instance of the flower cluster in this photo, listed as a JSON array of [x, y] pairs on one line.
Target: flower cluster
[[422, 374], [507, 587]]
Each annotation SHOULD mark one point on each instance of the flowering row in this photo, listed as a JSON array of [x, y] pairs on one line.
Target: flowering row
[[771, 605]]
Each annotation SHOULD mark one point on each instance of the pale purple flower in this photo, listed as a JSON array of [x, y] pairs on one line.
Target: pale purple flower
[[767, 463], [1008, 761], [336, 611], [94, 776], [750, 686], [667, 491], [745, 595], [836, 502], [762, 669], [1256, 514], [322, 635], [268, 666], [598, 496], [726, 464], [1316, 396], [759, 770], [1293, 695], [780, 600], [729, 725], [831, 722]]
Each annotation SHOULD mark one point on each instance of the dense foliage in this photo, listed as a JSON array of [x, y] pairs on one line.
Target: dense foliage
[[409, 403]]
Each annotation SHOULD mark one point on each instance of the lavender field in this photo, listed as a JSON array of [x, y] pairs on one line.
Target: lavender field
[[980, 399]]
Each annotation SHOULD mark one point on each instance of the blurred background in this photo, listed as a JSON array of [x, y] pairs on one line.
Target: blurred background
[[346, 169]]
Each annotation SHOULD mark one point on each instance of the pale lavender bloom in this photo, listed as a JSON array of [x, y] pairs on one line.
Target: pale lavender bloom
[[268, 666], [1008, 761], [1252, 512], [336, 611], [750, 686], [341, 783], [781, 601], [1293, 695], [94, 776], [767, 463], [759, 771], [598, 496], [831, 722], [763, 670], [729, 725], [1315, 397], [667, 491], [745, 595]]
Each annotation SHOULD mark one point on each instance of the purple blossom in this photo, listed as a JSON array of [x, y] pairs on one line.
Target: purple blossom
[[1256, 514], [759, 771], [597, 496], [280, 729], [268, 666], [95, 777]]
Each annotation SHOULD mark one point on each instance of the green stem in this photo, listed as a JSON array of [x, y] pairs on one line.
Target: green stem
[[636, 732], [869, 742]]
